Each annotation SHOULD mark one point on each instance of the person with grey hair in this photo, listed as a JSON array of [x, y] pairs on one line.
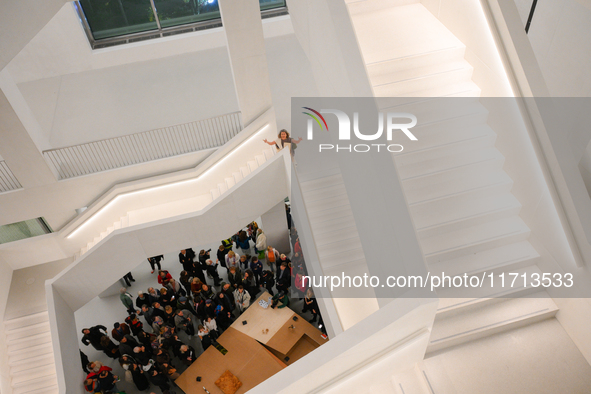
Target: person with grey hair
[[127, 301]]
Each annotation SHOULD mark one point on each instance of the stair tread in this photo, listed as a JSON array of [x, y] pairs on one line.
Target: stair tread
[[462, 89], [403, 28], [454, 162], [441, 212], [321, 183], [28, 331], [24, 321], [447, 185], [380, 76], [53, 389], [23, 365], [450, 296], [502, 256], [492, 315], [426, 145], [473, 235]]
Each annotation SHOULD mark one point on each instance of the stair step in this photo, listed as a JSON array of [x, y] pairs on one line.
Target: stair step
[[25, 321], [237, 176], [32, 373], [495, 260], [462, 89], [332, 213], [215, 193], [230, 182], [438, 78], [222, 187], [403, 31], [314, 207], [445, 141], [453, 214], [474, 239], [252, 165], [330, 225], [454, 299], [53, 389], [28, 387], [480, 139], [338, 247], [338, 234], [244, 171], [32, 352], [485, 158], [450, 184], [23, 365], [33, 340], [260, 159], [342, 258], [269, 153], [492, 319], [27, 331], [321, 183], [327, 192], [397, 72]]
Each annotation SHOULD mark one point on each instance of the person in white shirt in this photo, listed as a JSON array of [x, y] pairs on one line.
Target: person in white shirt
[[242, 299]]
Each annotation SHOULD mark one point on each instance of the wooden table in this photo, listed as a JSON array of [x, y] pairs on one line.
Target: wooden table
[[280, 337], [260, 319], [247, 359], [253, 356]]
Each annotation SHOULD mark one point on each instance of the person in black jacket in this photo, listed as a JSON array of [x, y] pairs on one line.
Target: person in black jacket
[[158, 379], [283, 278], [267, 281], [185, 260], [212, 270], [93, 336], [107, 382], [155, 261], [222, 252]]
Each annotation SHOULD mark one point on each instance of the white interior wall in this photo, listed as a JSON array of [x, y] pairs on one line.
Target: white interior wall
[[274, 224]]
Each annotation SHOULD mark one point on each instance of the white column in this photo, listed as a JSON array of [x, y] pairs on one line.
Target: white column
[[18, 149], [274, 224], [248, 58]]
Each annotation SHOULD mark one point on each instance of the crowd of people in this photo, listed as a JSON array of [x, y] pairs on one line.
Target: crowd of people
[[198, 303]]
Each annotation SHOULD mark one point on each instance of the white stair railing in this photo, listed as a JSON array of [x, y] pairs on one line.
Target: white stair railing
[[142, 147], [8, 181]]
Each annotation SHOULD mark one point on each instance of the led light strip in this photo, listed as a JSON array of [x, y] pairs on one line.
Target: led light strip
[[96, 214]]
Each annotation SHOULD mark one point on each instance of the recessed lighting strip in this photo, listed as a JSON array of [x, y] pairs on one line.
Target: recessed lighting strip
[[150, 189]]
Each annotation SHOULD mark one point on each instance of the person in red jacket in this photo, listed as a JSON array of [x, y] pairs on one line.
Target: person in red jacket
[[164, 277]]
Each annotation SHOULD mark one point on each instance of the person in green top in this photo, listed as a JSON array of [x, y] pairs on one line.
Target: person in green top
[[126, 300], [280, 300]]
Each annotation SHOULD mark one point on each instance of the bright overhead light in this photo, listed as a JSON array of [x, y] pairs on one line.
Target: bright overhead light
[[150, 189]]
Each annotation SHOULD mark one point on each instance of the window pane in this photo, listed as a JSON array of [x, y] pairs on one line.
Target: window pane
[[21, 230], [180, 12], [110, 18], [268, 4]]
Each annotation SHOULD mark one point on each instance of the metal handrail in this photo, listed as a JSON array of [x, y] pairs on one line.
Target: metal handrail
[[110, 153], [8, 181]]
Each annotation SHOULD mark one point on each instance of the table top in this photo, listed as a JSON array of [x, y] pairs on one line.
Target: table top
[[260, 319], [246, 359]]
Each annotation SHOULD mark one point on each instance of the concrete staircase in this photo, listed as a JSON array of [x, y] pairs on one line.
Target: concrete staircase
[[30, 355], [459, 197]]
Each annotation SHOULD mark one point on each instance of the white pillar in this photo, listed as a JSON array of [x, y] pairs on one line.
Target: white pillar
[[274, 224], [248, 58], [17, 148]]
